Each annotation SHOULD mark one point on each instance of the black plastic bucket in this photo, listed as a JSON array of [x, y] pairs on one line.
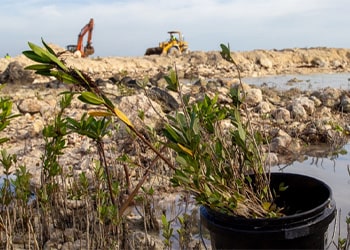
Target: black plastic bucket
[[310, 209]]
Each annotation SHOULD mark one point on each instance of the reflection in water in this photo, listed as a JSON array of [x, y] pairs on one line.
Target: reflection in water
[[333, 169], [302, 82]]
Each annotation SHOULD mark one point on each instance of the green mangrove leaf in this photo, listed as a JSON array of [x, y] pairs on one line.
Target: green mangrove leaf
[[81, 76], [207, 190], [164, 220], [282, 187], [180, 177], [186, 99], [242, 133], [33, 56], [226, 53], [2, 140], [47, 55], [265, 190], [40, 67], [108, 102], [91, 98], [54, 59], [62, 76], [181, 160], [48, 47], [73, 122], [170, 133], [195, 125], [40, 52], [43, 72], [172, 81], [266, 206]]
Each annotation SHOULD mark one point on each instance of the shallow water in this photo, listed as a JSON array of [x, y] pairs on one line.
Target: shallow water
[[332, 170], [303, 82]]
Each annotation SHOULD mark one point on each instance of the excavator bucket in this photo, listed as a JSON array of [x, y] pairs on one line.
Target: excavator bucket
[[154, 51], [88, 50]]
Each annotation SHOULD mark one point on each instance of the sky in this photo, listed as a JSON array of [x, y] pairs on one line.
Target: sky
[[129, 27]]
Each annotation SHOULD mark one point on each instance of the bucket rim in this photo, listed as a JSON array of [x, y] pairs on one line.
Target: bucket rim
[[325, 209]]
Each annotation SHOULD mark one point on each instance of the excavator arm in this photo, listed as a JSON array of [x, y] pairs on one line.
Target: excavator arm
[[88, 49]]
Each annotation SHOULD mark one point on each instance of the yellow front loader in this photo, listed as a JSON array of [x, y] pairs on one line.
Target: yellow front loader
[[176, 45]]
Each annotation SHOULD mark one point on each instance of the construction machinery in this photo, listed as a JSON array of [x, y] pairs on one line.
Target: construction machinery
[[174, 46], [78, 49]]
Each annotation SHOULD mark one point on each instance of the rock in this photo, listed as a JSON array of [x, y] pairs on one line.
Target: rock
[[271, 159], [318, 62], [198, 57], [132, 105], [243, 86], [38, 126], [297, 111], [69, 234], [264, 62], [317, 102], [162, 97], [129, 82], [330, 97], [263, 107], [15, 73], [345, 104], [253, 96], [281, 115], [306, 103], [280, 143], [336, 64], [51, 245], [30, 106], [141, 239], [161, 83], [68, 246], [325, 113]]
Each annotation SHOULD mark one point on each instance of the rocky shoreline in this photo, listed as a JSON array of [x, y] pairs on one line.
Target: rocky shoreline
[[293, 121], [198, 64]]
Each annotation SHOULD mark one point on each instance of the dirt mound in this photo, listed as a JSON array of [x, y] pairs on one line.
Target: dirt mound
[[198, 64]]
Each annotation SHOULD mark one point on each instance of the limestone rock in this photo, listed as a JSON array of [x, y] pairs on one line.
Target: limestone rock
[[280, 143], [330, 97], [264, 62], [253, 96], [15, 73], [263, 107], [281, 114], [345, 104], [30, 106], [306, 103], [297, 112]]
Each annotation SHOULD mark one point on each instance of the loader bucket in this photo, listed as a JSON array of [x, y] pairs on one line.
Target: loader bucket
[[153, 51]]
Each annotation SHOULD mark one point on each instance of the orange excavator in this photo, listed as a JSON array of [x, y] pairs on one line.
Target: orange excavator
[[78, 48]]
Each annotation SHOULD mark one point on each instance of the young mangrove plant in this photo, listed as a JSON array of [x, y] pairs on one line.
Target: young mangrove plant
[[15, 191], [222, 167]]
